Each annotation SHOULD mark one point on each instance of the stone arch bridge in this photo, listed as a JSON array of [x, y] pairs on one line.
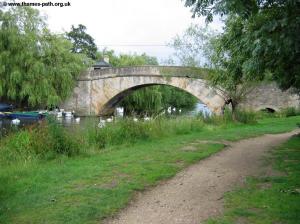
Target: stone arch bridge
[[98, 91]]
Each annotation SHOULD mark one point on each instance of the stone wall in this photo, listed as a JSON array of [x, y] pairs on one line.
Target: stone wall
[[268, 95]]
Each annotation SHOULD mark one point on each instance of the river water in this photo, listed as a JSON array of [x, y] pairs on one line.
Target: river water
[[6, 124]]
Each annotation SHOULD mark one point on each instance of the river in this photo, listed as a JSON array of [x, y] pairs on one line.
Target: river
[[6, 124]]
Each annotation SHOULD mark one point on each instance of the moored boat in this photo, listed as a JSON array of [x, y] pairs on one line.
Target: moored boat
[[25, 115], [3, 115], [5, 107]]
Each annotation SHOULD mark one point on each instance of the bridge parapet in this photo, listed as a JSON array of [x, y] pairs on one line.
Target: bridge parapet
[[161, 71]]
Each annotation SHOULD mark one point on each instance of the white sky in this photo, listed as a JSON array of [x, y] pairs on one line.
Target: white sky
[[125, 22]]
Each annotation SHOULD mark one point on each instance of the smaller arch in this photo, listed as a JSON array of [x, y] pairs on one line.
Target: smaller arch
[[268, 109]]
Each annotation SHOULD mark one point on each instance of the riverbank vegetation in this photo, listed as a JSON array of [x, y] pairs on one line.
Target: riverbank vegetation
[[52, 175], [275, 197], [37, 67]]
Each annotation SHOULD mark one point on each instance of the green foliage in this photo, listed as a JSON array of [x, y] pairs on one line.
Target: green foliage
[[147, 100], [36, 67], [124, 60], [208, 8], [82, 42], [241, 116], [262, 33], [246, 117], [61, 142], [151, 100], [178, 98], [191, 47], [47, 141], [290, 111], [128, 131], [221, 54], [227, 63]]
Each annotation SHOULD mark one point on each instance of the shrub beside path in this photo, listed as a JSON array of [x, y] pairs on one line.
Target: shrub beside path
[[196, 193]]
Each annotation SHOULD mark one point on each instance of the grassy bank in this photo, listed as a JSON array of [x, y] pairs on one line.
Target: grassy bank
[[42, 185], [269, 199]]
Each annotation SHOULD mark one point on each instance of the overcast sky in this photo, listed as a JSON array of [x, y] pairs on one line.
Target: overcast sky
[[115, 23]]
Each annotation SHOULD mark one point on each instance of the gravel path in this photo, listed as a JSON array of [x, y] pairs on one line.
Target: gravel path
[[196, 193]]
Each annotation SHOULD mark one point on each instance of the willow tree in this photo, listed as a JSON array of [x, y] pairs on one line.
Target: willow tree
[[37, 68], [190, 47]]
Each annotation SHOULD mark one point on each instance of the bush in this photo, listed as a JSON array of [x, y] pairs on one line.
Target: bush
[[61, 142], [45, 141], [245, 117], [290, 111]]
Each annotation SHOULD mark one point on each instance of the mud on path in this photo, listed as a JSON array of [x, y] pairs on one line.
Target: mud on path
[[196, 193]]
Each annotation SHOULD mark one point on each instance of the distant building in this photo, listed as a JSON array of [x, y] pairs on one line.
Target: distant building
[[104, 63]]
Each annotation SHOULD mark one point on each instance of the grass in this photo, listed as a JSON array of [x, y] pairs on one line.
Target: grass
[[91, 186], [268, 199]]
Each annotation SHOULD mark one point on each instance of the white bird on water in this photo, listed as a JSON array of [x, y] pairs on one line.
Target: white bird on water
[[101, 123], [15, 121], [109, 120], [146, 118], [59, 114]]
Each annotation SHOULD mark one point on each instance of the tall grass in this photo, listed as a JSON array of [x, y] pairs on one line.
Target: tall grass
[[241, 116], [290, 111], [128, 131], [50, 140], [45, 141]]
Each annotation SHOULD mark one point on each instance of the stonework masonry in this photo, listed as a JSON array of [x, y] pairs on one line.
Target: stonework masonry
[[98, 91]]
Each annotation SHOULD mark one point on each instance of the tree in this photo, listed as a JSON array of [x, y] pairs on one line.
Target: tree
[[37, 68], [83, 43], [269, 38], [153, 99], [190, 47], [127, 59], [175, 97], [199, 44], [226, 59]]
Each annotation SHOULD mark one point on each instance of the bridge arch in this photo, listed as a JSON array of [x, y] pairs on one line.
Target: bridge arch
[[110, 106], [97, 91], [108, 92]]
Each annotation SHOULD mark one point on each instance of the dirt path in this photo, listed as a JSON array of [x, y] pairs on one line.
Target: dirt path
[[196, 193]]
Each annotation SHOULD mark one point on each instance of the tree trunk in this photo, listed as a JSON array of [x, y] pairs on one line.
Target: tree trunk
[[233, 108], [227, 102]]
